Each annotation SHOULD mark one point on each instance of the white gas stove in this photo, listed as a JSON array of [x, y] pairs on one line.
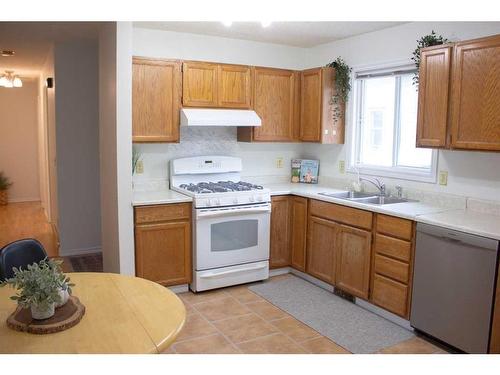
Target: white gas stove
[[231, 221]]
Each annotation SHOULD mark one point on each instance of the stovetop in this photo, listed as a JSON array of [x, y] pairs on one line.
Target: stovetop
[[219, 187]]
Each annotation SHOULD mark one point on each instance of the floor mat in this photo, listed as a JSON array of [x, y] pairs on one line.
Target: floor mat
[[345, 323], [87, 263]]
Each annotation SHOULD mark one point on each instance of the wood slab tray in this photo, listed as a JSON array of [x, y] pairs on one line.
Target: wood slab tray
[[65, 317]]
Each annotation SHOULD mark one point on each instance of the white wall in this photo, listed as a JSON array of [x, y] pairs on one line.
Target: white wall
[[77, 139], [19, 140], [115, 132], [474, 174]]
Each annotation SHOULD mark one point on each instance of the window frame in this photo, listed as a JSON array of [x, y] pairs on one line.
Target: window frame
[[354, 140]]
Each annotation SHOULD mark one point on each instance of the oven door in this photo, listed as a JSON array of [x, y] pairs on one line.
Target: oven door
[[227, 236]]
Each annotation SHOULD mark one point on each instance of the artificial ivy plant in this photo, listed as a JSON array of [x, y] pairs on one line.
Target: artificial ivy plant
[[429, 40], [342, 86]]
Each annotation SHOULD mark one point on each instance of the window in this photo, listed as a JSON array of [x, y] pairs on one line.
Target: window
[[384, 135]]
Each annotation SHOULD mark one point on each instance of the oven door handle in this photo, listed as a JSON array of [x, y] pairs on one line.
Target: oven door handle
[[235, 212], [214, 275]]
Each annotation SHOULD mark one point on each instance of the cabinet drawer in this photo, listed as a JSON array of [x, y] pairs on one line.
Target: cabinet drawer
[[395, 227], [342, 214], [166, 212], [393, 247], [392, 268], [390, 295]]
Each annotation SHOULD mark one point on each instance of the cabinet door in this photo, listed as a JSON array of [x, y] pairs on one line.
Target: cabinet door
[[235, 86], [321, 241], [298, 232], [280, 232], [274, 95], [156, 99], [475, 120], [199, 84], [163, 252], [310, 105], [353, 261], [434, 80]]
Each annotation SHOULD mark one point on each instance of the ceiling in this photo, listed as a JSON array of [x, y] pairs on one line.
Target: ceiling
[[298, 34], [31, 42]]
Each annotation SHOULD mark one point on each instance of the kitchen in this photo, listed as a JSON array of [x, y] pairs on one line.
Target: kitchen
[[263, 187], [353, 243]]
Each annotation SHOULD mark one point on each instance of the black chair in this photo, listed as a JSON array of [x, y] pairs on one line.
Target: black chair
[[20, 254]]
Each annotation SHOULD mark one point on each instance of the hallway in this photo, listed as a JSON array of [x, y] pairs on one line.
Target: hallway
[[27, 220]]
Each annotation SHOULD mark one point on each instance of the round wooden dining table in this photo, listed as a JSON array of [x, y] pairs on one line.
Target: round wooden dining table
[[123, 314]]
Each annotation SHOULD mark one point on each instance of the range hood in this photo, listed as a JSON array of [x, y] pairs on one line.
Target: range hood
[[219, 117]]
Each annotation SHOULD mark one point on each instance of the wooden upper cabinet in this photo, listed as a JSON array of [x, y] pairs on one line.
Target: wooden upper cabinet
[[317, 122], [321, 243], [434, 81], [235, 86], [475, 108], [274, 98], [199, 84], [280, 232], [298, 208], [156, 99], [353, 260]]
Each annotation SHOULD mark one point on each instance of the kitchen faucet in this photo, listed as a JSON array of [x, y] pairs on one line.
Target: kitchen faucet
[[377, 183]]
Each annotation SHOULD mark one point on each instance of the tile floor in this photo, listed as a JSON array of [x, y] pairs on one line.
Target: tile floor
[[236, 320]]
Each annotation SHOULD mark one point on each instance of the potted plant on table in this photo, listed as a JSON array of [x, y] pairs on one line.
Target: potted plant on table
[[4, 187], [39, 287]]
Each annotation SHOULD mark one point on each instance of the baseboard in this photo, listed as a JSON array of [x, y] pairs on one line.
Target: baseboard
[[23, 200], [82, 251], [312, 279], [179, 288], [279, 271], [384, 314]]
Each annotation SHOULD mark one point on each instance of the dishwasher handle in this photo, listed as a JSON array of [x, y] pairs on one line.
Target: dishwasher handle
[[458, 237]]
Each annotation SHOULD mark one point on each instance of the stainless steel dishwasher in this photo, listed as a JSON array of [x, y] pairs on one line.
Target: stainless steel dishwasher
[[453, 287]]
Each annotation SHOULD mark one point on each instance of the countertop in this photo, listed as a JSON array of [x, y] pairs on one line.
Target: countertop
[[481, 224], [164, 196], [468, 221], [409, 210]]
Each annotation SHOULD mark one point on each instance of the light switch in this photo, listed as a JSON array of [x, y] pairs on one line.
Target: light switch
[[443, 178]]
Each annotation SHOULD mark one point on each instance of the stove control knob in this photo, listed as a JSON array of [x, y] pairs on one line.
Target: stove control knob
[[251, 199], [259, 198], [209, 203], [217, 202], [235, 200]]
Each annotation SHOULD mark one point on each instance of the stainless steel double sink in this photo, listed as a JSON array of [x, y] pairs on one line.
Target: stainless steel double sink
[[368, 198]]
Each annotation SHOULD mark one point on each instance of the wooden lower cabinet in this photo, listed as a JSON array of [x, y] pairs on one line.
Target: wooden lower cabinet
[[393, 264], [298, 237], [353, 260], [280, 232], [321, 241], [163, 248]]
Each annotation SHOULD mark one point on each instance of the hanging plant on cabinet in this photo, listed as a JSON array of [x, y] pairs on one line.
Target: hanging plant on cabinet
[[429, 40], [342, 84]]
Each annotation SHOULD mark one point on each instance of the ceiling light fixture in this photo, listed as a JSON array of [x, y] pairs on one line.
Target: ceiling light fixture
[[8, 53], [10, 80], [227, 23], [265, 23]]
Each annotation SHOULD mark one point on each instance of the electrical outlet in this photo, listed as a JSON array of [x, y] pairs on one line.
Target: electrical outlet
[[279, 162], [443, 178], [342, 166], [139, 167]]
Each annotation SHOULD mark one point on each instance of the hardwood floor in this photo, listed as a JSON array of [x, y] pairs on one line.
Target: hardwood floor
[[236, 320], [27, 220]]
